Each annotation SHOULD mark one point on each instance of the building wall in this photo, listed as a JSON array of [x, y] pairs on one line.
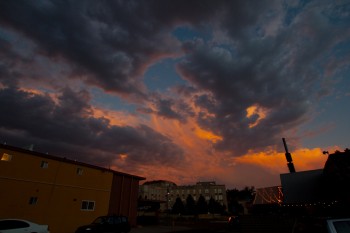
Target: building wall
[[167, 193], [159, 191], [123, 200], [206, 189], [57, 188], [302, 187]]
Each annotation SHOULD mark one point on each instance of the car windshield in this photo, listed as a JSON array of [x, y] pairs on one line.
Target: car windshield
[[342, 226]]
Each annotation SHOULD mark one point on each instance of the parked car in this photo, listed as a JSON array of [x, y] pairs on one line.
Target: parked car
[[104, 224], [21, 226], [233, 222], [338, 225]]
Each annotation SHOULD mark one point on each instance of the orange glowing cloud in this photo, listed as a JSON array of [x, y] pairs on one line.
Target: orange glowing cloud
[[275, 162], [117, 118], [202, 162], [123, 157], [32, 91], [207, 135], [199, 154], [256, 110]]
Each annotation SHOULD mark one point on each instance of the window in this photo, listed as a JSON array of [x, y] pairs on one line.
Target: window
[[87, 205], [117, 220], [6, 157], [124, 219], [33, 201], [79, 171], [44, 164], [12, 224]]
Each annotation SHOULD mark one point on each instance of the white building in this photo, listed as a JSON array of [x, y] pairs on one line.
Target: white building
[[166, 192]]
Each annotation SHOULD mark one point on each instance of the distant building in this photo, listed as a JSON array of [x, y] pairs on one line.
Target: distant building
[[60, 192], [166, 192], [303, 187], [322, 185], [157, 191]]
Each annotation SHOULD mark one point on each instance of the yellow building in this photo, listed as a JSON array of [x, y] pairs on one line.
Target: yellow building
[[62, 193]]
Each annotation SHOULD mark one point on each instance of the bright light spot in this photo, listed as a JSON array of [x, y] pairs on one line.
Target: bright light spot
[[207, 135], [256, 110], [123, 157]]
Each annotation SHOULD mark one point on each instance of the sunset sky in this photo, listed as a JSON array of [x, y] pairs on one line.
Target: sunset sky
[[181, 90]]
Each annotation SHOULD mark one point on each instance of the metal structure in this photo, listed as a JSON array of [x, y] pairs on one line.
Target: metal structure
[[288, 157]]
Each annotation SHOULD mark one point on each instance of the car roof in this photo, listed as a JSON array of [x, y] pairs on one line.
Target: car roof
[[17, 219]]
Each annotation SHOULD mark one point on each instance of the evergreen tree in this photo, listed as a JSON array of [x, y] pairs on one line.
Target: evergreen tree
[[211, 205], [202, 206], [215, 207], [234, 195], [178, 207], [190, 205]]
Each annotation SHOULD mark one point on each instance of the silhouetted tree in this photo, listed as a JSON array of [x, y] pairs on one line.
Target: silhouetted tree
[[247, 194], [178, 207], [202, 206], [234, 195], [190, 205], [215, 207]]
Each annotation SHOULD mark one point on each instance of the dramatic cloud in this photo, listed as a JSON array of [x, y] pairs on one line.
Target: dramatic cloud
[[38, 119], [240, 75]]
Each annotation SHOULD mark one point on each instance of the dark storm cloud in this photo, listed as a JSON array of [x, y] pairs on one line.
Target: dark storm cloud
[[8, 58], [168, 108], [67, 129], [248, 60], [280, 73], [109, 43]]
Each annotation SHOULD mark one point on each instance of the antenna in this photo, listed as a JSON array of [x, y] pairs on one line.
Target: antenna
[[288, 157]]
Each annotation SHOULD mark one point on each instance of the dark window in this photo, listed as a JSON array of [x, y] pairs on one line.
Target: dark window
[[87, 205], [117, 220], [79, 171], [44, 164], [33, 201], [12, 224]]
